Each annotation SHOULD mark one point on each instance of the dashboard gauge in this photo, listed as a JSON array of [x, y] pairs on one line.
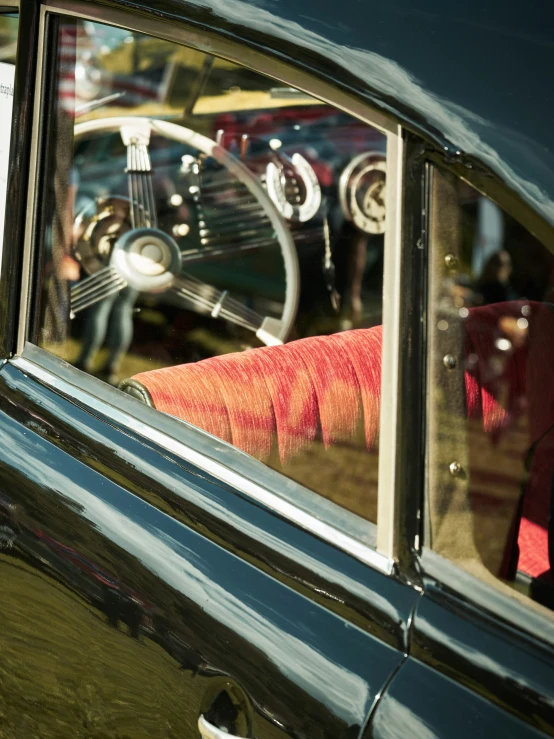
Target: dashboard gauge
[[362, 190], [299, 185]]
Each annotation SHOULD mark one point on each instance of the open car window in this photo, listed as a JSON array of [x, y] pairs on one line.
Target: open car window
[[213, 245]]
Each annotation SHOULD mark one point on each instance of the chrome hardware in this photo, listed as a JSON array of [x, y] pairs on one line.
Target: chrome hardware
[[209, 731], [276, 181], [456, 469]]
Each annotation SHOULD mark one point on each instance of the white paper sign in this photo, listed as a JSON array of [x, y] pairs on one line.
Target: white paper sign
[[7, 74]]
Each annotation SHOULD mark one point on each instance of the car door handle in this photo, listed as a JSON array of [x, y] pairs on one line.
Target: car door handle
[[209, 731]]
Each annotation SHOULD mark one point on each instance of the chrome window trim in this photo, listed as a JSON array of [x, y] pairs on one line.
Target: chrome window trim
[[274, 501], [389, 427], [234, 51]]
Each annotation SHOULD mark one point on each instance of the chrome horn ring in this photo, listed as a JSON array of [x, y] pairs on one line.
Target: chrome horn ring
[[276, 182]]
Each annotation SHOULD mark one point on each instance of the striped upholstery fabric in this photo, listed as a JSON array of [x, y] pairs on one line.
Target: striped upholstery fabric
[[282, 395], [537, 501], [286, 396]]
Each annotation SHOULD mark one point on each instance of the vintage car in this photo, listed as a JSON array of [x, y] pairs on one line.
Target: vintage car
[[276, 395]]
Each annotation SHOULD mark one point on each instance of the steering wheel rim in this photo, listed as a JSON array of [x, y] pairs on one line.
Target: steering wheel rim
[[283, 236]]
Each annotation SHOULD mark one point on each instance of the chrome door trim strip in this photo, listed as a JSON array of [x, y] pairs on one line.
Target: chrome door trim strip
[[389, 426], [274, 502]]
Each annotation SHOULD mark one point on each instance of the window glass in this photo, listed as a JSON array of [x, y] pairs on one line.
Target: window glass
[[214, 242], [491, 425]]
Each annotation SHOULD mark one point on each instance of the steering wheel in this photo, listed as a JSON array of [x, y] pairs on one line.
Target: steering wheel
[[120, 243]]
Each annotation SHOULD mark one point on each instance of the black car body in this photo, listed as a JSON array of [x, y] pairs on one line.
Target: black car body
[[156, 581]]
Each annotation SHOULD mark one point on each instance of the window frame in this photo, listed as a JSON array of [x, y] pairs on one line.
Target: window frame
[[309, 510], [10, 8], [15, 206]]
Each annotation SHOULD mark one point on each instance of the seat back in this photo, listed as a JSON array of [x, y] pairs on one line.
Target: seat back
[[281, 395]]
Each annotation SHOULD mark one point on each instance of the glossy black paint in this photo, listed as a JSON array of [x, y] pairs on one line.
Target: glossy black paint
[[477, 650], [236, 597], [433, 709]]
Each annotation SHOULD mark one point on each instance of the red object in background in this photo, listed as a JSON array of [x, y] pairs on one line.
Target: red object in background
[[344, 135]]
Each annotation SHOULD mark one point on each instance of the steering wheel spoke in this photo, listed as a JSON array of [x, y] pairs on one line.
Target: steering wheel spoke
[[98, 286], [136, 137], [208, 300]]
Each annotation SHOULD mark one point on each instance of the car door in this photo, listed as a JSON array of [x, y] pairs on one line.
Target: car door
[[141, 592], [481, 641], [157, 581]]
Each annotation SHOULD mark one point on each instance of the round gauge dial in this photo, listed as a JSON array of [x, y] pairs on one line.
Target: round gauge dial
[[362, 190]]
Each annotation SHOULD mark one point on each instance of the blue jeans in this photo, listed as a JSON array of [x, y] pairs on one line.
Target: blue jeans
[[111, 321]]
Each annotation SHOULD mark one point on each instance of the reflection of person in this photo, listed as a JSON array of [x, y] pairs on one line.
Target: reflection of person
[[494, 285], [9, 526], [61, 268], [124, 607], [352, 302], [109, 320], [356, 256]]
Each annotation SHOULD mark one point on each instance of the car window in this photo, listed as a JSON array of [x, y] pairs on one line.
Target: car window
[[213, 244], [491, 396], [8, 46]]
